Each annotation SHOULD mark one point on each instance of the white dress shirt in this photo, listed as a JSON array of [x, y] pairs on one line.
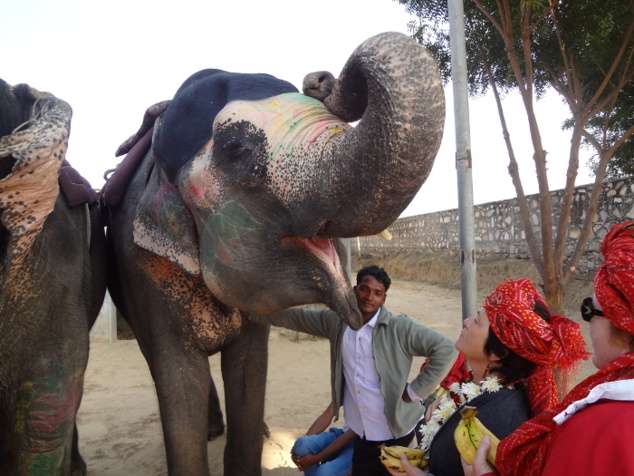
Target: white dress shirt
[[363, 403]]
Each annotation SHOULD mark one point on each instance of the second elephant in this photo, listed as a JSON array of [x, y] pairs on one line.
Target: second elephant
[[52, 285]]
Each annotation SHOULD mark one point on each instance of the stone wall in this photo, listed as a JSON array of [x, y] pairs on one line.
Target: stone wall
[[499, 233]]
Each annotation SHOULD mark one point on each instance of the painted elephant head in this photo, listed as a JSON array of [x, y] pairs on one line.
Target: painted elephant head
[[273, 177]]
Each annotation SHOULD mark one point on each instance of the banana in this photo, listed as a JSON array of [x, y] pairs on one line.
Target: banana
[[463, 442], [476, 430], [417, 463], [410, 453], [389, 461], [495, 441], [390, 457]]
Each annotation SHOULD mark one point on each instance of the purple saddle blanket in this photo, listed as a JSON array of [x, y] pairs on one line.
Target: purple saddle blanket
[[135, 147], [75, 189], [114, 189]]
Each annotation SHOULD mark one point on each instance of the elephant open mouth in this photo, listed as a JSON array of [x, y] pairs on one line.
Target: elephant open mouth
[[239, 248], [323, 248]]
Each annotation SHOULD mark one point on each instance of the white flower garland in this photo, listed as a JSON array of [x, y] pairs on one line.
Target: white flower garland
[[465, 392]]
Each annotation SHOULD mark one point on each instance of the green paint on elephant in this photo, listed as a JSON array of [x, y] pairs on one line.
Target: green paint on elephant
[[45, 415], [45, 464], [169, 205], [226, 232]]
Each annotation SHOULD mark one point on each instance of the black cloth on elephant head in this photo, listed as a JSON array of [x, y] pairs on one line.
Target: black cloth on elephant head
[[187, 123]]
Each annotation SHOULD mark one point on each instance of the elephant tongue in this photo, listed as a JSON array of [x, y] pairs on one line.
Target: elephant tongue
[[340, 298], [324, 249]]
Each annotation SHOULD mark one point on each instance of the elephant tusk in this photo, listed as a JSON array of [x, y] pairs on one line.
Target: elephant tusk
[[385, 234]]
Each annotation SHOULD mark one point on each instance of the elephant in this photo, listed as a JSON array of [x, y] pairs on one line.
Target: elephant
[[52, 284], [233, 197]]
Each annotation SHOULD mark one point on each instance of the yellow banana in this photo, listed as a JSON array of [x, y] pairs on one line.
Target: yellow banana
[[394, 462], [474, 432], [410, 453], [468, 412], [389, 461], [464, 443], [477, 430], [495, 441], [417, 462]]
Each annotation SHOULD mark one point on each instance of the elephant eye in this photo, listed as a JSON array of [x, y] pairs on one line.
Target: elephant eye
[[235, 150], [234, 154], [238, 161]]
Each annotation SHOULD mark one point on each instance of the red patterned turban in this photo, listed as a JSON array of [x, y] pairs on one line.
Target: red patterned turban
[[614, 281], [558, 343]]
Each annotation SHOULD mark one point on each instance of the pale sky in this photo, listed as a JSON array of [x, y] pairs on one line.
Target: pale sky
[[112, 59]]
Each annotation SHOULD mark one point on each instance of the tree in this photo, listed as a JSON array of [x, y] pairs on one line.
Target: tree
[[584, 50]]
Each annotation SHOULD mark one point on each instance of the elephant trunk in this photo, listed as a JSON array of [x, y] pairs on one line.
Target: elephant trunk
[[393, 86]]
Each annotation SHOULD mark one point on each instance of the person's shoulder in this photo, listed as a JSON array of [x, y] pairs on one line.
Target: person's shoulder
[[606, 420], [389, 319], [606, 409]]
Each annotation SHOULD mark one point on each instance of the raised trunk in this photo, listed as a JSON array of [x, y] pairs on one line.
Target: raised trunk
[[393, 85]]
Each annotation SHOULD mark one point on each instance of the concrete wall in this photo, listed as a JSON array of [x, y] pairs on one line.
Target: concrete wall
[[499, 232]]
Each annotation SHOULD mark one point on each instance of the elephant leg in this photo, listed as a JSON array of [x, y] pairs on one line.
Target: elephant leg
[[215, 419], [244, 366], [45, 418], [182, 378], [77, 463]]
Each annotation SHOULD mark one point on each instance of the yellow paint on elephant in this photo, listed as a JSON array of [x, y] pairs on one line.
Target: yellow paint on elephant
[[297, 130], [289, 121], [22, 409]]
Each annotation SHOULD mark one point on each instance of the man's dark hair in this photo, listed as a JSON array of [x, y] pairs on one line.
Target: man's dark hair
[[378, 273]]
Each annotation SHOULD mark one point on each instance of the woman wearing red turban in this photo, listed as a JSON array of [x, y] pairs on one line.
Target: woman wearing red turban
[[591, 431], [512, 347]]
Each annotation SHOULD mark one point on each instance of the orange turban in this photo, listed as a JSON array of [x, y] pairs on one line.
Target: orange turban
[[614, 281], [558, 343]]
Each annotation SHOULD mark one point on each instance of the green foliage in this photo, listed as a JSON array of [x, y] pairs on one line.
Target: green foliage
[[584, 50], [572, 45]]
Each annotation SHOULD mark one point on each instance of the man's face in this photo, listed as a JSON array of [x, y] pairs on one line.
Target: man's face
[[370, 295]]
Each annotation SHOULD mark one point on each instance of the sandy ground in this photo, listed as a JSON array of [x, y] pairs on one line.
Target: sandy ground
[[119, 424]]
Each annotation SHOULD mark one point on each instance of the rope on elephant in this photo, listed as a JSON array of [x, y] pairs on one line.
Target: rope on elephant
[[114, 189]]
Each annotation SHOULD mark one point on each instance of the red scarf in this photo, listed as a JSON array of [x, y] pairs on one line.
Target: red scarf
[[524, 451], [555, 344], [614, 281]]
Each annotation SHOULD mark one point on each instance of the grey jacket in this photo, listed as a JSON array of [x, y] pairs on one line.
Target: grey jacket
[[395, 340]]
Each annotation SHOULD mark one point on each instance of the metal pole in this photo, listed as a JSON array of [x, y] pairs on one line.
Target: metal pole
[[463, 158]]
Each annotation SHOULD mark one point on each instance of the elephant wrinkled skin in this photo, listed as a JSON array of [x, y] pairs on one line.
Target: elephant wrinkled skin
[[238, 206], [52, 285]]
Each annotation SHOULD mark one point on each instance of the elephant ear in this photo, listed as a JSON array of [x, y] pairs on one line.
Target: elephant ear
[[164, 225]]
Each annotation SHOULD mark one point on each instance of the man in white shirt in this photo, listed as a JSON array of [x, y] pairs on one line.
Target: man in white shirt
[[370, 367]]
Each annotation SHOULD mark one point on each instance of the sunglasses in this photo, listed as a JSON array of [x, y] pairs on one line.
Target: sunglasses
[[588, 311]]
